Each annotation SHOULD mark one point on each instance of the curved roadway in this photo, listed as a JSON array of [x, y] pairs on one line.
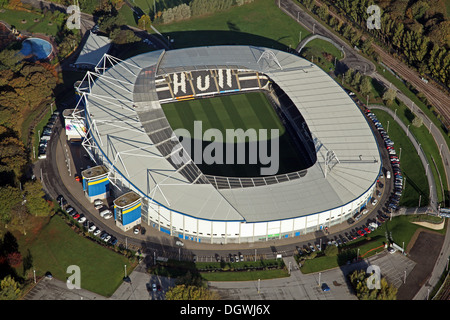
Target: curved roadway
[[56, 180]]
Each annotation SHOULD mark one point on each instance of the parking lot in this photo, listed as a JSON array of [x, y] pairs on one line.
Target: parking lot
[[309, 286]]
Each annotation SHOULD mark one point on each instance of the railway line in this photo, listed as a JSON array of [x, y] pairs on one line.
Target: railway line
[[437, 97]]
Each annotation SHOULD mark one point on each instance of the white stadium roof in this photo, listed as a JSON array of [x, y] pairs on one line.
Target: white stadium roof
[[93, 50], [123, 102]]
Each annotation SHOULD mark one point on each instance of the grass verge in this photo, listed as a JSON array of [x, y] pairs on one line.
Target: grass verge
[[57, 247]]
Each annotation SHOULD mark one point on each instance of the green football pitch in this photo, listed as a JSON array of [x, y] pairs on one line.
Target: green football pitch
[[237, 111], [244, 111]]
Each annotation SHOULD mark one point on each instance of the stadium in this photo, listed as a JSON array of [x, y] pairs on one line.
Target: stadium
[[140, 115]]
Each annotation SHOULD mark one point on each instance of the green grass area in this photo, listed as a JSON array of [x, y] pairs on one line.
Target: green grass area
[[400, 230], [25, 21], [250, 112], [322, 53], [260, 23], [244, 111], [57, 247], [412, 168]]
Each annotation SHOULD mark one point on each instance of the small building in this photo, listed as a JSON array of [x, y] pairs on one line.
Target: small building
[[74, 125], [127, 210], [93, 50], [96, 183]]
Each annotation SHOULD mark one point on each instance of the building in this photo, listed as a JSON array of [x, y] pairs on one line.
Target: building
[[93, 50], [127, 210], [96, 183], [128, 133], [74, 125]]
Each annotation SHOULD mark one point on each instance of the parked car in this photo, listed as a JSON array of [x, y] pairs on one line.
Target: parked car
[[179, 243], [391, 250], [325, 287], [98, 202], [104, 212], [97, 232], [92, 228], [108, 216], [82, 218], [76, 216]]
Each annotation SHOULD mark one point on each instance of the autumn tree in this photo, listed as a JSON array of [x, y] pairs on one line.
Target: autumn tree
[[34, 196], [385, 291], [9, 289], [10, 197], [144, 22]]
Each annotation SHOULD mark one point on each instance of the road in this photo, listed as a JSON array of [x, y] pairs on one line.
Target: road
[[351, 59], [435, 96], [57, 181], [357, 62]]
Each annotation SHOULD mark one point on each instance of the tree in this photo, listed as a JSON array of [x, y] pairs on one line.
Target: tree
[[389, 96], [120, 36], [417, 122], [322, 12], [10, 59], [9, 289], [356, 81], [348, 75], [359, 281], [366, 86], [144, 22], [36, 203], [10, 197]]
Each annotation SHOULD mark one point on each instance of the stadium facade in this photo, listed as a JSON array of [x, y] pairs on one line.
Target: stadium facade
[[127, 132]]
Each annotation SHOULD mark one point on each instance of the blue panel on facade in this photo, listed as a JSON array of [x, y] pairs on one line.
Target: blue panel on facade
[[165, 230], [97, 187], [131, 215]]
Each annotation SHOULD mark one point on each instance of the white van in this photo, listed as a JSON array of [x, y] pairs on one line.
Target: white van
[[388, 174]]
